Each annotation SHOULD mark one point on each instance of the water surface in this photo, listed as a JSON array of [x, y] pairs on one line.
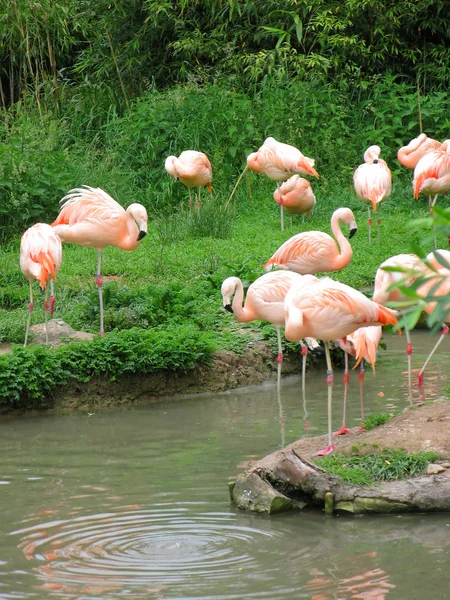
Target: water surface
[[133, 502]]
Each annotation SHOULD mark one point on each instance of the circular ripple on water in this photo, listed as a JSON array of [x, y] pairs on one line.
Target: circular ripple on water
[[156, 551]]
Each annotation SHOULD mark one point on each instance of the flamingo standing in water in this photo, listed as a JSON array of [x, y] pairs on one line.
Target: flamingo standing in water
[[193, 169], [313, 252], [410, 155], [265, 302], [384, 280], [372, 181], [90, 217], [439, 283], [296, 196], [328, 310], [279, 162], [363, 343], [40, 258]]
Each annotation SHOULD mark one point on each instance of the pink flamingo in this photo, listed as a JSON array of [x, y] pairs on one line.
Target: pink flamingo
[[279, 162], [90, 217], [363, 343], [439, 283], [313, 252], [328, 310], [410, 155], [383, 294], [264, 302], [296, 196], [372, 181], [432, 174], [40, 258], [193, 169]]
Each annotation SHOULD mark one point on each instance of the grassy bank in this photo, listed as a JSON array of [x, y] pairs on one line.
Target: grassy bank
[[174, 277]]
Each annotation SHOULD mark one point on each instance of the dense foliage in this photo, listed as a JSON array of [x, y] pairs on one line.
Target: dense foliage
[[129, 46]]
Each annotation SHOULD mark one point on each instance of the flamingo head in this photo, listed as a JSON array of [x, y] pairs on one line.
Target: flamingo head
[[169, 165], [346, 216], [228, 289], [139, 214], [371, 154]]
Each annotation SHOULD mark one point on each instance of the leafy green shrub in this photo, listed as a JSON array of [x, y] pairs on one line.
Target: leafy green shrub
[[27, 375]]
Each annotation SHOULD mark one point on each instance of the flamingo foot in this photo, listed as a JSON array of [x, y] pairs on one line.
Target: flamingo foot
[[279, 358], [98, 281], [409, 349], [304, 351], [52, 305], [362, 428], [420, 380], [101, 333], [342, 431], [198, 203], [325, 451]]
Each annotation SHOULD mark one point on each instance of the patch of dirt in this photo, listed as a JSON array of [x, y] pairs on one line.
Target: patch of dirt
[[421, 427]]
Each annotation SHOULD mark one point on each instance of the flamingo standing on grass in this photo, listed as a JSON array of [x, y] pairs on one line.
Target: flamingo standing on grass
[[90, 217], [313, 252], [410, 155], [193, 169], [279, 162], [363, 343], [372, 181], [40, 258], [264, 302], [432, 175], [296, 196], [328, 310]]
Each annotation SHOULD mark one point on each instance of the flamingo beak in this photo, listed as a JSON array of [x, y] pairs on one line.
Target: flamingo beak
[[228, 307], [141, 235], [352, 232]]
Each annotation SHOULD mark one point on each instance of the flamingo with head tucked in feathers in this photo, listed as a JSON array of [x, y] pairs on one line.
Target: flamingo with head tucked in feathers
[[40, 258], [328, 310], [410, 154], [313, 252], [90, 217], [265, 302], [193, 169], [372, 181], [279, 162], [295, 196]]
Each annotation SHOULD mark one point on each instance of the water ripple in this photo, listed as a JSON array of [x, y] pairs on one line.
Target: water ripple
[[167, 548]]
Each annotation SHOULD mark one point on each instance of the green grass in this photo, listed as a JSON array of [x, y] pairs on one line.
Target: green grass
[[371, 468], [377, 419]]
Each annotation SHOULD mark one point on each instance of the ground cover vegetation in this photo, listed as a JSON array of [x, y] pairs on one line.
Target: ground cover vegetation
[[100, 93]]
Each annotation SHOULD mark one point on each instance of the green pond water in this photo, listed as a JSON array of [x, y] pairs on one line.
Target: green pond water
[[133, 502]]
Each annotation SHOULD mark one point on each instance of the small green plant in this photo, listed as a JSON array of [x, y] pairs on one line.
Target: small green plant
[[376, 420], [370, 468]]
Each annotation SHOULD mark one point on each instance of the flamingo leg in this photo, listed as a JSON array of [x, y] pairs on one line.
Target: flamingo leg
[[190, 197], [279, 358], [343, 430], [431, 212], [280, 409], [52, 297], [281, 208], [330, 447], [369, 221], [30, 310], [378, 224], [98, 280], [290, 220], [46, 311], [198, 198], [445, 331], [361, 374], [305, 413], [409, 350], [304, 355], [303, 219]]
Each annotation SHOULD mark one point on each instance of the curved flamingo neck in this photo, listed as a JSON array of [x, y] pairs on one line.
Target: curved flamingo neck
[[345, 250], [241, 313], [129, 241]]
